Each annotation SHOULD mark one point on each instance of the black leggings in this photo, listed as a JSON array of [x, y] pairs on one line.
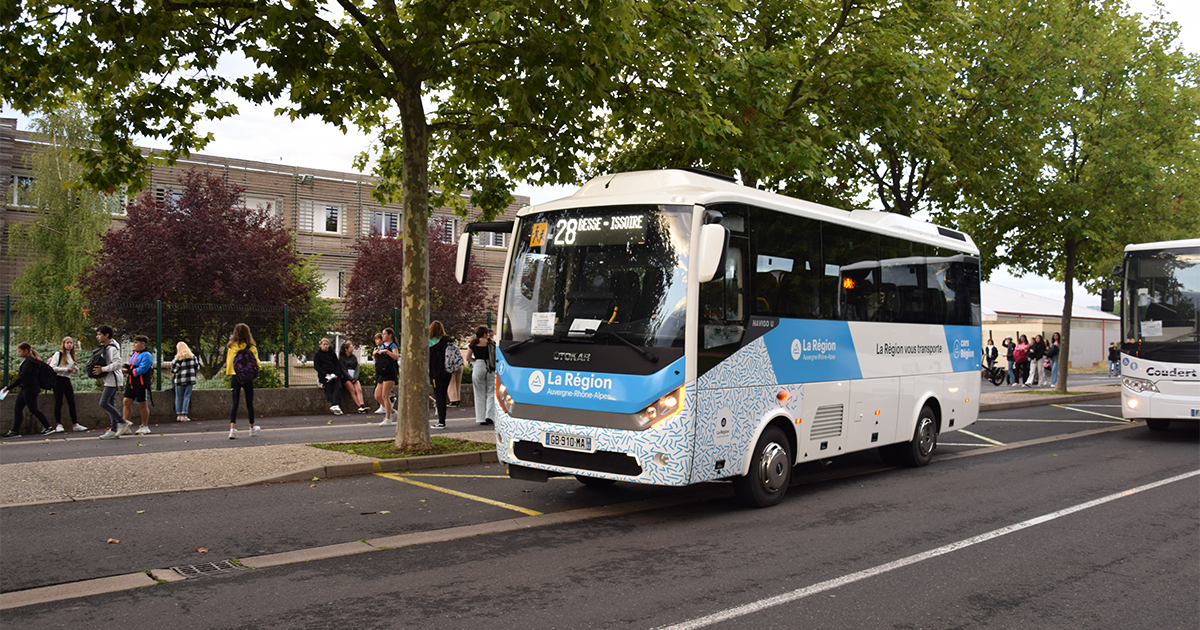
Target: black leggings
[[63, 387], [27, 397], [333, 391], [249, 387], [441, 392]]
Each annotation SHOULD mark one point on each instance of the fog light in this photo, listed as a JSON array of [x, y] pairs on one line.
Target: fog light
[[662, 459], [1133, 403]]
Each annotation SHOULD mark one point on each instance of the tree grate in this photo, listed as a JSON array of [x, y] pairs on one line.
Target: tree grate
[[209, 568]]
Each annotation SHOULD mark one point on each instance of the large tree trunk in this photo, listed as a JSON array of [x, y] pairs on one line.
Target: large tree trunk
[[412, 431], [1064, 350]]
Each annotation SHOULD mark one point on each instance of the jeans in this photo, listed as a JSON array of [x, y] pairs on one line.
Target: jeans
[[484, 383], [183, 398], [249, 389], [1054, 372], [106, 403]]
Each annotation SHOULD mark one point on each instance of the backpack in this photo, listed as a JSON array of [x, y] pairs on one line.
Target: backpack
[[1020, 354], [454, 360], [245, 368], [99, 359], [45, 376]]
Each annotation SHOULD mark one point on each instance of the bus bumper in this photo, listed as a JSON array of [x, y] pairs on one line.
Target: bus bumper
[[1182, 405]]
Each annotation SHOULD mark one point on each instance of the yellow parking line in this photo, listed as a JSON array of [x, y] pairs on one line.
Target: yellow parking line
[[980, 437], [1094, 413], [464, 495], [455, 476]]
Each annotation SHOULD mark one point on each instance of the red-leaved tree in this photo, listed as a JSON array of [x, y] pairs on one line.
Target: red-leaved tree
[[209, 259], [375, 288]]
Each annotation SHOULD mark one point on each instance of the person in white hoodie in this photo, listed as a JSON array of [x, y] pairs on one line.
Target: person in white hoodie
[[64, 366], [114, 379]]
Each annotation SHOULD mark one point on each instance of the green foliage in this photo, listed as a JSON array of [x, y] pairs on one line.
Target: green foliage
[[366, 374], [269, 377], [388, 450]]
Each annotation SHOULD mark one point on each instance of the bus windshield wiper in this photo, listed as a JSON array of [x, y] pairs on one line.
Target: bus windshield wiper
[[647, 355], [530, 339]]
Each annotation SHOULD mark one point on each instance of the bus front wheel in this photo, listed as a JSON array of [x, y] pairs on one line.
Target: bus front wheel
[[919, 451], [770, 471]]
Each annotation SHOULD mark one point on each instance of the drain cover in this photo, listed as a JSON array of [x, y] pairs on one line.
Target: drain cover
[[208, 568]]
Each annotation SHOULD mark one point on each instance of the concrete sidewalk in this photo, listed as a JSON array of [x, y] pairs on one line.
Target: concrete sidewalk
[[124, 475]]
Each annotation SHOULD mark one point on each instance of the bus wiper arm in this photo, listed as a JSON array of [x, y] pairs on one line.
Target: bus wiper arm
[[642, 351], [513, 348]]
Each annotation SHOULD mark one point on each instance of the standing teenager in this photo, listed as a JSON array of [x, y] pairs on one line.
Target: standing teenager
[[387, 372], [483, 375], [27, 380], [439, 344], [137, 385], [378, 344], [241, 340], [183, 375], [109, 370], [64, 366]]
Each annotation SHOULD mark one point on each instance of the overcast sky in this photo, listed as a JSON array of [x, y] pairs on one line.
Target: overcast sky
[[256, 134]]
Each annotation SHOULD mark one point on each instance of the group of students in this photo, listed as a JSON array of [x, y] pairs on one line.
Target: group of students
[[1030, 364], [445, 362], [134, 375]]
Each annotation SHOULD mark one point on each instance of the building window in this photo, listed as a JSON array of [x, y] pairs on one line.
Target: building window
[[490, 239], [446, 228], [116, 203], [327, 219], [386, 224], [167, 196], [19, 190], [343, 278]]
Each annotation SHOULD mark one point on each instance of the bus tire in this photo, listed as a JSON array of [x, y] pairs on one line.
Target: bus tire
[[1157, 424], [770, 471], [595, 482], [919, 451]]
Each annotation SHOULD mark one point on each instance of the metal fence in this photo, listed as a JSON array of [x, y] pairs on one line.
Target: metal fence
[[286, 336]]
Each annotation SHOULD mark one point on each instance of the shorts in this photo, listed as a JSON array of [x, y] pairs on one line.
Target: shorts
[[385, 377], [135, 392]]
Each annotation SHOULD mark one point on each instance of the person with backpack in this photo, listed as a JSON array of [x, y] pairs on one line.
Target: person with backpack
[[138, 372], [441, 366], [387, 372], [483, 375], [183, 376], [241, 366], [105, 364], [1021, 354], [31, 379], [64, 366]]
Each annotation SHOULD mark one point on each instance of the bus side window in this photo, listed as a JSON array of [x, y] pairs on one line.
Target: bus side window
[[723, 303]]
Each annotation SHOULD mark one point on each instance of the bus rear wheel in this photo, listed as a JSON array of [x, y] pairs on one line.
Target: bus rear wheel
[[1157, 424], [919, 451], [770, 471]]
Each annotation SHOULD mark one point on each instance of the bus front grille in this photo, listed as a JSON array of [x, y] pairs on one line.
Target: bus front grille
[[827, 423], [600, 461]]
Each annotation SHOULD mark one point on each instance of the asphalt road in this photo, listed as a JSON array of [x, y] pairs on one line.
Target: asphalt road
[[1132, 561]]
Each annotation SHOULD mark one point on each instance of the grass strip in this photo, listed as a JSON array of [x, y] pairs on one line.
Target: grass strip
[[386, 449]]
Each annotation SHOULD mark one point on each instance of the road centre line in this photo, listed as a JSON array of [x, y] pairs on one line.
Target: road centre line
[[980, 437], [1094, 413], [1047, 420], [463, 495], [763, 604]]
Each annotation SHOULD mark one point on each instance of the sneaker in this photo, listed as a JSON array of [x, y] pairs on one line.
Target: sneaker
[[489, 421], [11, 434], [254, 430], [380, 409], [337, 410], [387, 422], [79, 427], [233, 434], [143, 430], [362, 409], [58, 428], [48, 431], [109, 435], [124, 428], [439, 425]]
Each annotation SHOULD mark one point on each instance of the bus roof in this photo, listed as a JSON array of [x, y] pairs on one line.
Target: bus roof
[[1141, 247], [680, 187]]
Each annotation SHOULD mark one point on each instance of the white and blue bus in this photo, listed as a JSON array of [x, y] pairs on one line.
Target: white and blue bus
[[1160, 326], [672, 327]]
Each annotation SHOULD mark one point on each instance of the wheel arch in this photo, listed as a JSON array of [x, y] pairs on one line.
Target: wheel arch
[[776, 420]]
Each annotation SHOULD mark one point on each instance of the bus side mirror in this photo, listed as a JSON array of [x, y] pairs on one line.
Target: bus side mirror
[[714, 239], [1106, 300], [464, 257]]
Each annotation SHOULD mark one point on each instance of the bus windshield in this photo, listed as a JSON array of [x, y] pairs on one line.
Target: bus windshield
[[1162, 299], [606, 276]]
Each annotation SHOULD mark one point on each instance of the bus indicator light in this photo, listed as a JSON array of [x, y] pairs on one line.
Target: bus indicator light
[[782, 396], [848, 283]]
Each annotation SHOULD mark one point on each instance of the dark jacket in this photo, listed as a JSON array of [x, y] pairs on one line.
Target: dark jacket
[[437, 358], [27, 376], [326, 362], [349, 362], [1037, 350]]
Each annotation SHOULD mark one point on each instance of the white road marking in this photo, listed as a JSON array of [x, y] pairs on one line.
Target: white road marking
[[980, 437], [1051, 421], [1094, 413], [784, 598]]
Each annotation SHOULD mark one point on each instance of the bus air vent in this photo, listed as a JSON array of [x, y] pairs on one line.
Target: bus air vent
[[827, 423]]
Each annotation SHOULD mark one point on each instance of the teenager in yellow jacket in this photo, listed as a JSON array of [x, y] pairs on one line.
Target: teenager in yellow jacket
[[238, 341]]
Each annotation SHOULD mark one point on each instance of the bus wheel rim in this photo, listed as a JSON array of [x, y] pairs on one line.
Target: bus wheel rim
[[773, 467], [926, 436]]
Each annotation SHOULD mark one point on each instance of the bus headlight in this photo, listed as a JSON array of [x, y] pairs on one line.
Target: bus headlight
[[502, 398], [662, 409], [1138, 385]]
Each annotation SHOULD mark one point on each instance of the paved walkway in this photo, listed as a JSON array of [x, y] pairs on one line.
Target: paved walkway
[[98, 477]]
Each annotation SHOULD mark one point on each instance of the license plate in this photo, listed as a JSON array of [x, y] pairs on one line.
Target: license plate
[[568, 442]]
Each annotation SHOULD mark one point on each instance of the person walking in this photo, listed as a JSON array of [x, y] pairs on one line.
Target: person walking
[[387, 372], [183, 375], [108, 369], [378, 344], [137, 385], [330, 374], [27, 380], [241, 341], [1114, 360], [439, 344], [64, 366], [483, 375], [349, 363], [1009, 346]]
